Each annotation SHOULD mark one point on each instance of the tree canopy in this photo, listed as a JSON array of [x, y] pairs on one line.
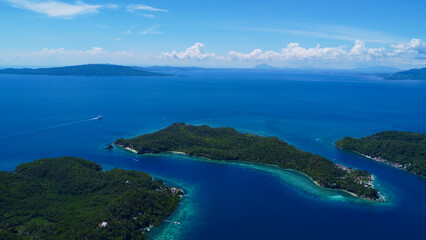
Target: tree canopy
[[405, 148], [229, 144], [70, 198]]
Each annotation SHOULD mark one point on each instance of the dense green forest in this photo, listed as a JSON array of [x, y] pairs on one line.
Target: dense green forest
[[415, 74], [70, 198], [407, 149], [228, 144], [83, 70]]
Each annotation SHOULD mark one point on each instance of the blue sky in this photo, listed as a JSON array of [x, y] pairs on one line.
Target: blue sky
[[303, 33]]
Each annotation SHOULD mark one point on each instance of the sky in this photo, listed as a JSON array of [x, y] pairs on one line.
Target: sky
[[214, 33]]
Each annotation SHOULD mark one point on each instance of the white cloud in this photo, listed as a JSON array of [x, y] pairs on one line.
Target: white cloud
[[403, 55], [292, 51], [361, 53], [152, 30], [193, 52], [415, 48], [359, 48], [331, 32], [137, 7], [59, 9], [61, 51], [411, 53], [62, 56], [148, 15]]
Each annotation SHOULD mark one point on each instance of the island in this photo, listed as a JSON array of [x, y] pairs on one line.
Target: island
[[72, 198], [230, 145], [84, 70], [404, 150], [412, 74]]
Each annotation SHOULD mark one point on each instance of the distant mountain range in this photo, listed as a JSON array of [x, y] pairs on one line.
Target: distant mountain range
[[414, 74], [84, 70], [266, 66], [117, 70]]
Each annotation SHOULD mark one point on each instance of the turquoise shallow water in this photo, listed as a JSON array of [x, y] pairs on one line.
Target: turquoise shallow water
[[50, 116]]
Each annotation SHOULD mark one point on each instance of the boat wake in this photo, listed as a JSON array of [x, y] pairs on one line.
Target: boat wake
[[54, 126]]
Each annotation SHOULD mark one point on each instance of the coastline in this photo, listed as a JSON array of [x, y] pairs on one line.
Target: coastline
[[383, 161], [130, 149], [179, 222], [380, 199]]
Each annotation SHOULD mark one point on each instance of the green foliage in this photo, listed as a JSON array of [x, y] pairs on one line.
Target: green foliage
[[84, 70], [228, 144], [405, 148], [68, 198], [417, 74]]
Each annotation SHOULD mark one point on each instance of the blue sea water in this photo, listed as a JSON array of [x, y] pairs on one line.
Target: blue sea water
[[45, 116]]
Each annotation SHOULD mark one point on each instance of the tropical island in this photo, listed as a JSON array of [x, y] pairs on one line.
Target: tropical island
[[413, 74], [72, 198], [84, 70], [230, 145], [404, 150]]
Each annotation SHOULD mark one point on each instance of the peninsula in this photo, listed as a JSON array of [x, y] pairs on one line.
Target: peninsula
[[83, 70], [412, 74], [72, 198], [404, 150], [229, 144]]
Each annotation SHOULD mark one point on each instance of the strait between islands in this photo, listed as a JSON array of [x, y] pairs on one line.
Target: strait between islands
[[230, 145]]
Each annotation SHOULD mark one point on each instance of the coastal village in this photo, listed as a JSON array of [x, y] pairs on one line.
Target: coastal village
[[173, 191], [367, 181], [393, 164]]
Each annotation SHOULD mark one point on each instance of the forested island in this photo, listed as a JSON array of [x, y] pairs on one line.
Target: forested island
[[404, 150], [414, 74], [229, 144], [84, 70], [72, 198]]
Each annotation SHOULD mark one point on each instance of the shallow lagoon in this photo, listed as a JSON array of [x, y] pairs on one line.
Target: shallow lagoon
[[41, 118]]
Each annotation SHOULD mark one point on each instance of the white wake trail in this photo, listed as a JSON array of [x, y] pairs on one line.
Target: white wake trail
[[51, 127]]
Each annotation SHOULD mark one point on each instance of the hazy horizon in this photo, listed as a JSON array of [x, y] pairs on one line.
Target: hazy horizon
[[302, 34]]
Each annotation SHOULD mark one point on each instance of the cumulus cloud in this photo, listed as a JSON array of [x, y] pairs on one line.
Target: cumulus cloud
[[292, 51], [193, 52], [361, 52], [137, 7], [415, 48], [59, 9], [359, 48], [411, 53], [408, 54]]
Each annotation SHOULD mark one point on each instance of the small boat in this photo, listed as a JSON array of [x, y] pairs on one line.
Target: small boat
[[99, 117]]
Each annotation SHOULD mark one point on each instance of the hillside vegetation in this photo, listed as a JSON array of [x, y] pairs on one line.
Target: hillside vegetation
[[407, 149], [228, 144], [414, 74], [70, 198]]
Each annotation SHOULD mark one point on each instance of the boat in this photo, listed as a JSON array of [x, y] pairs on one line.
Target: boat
[[99, 117]]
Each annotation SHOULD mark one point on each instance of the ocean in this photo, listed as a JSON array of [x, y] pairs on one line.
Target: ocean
[[49, 116]]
